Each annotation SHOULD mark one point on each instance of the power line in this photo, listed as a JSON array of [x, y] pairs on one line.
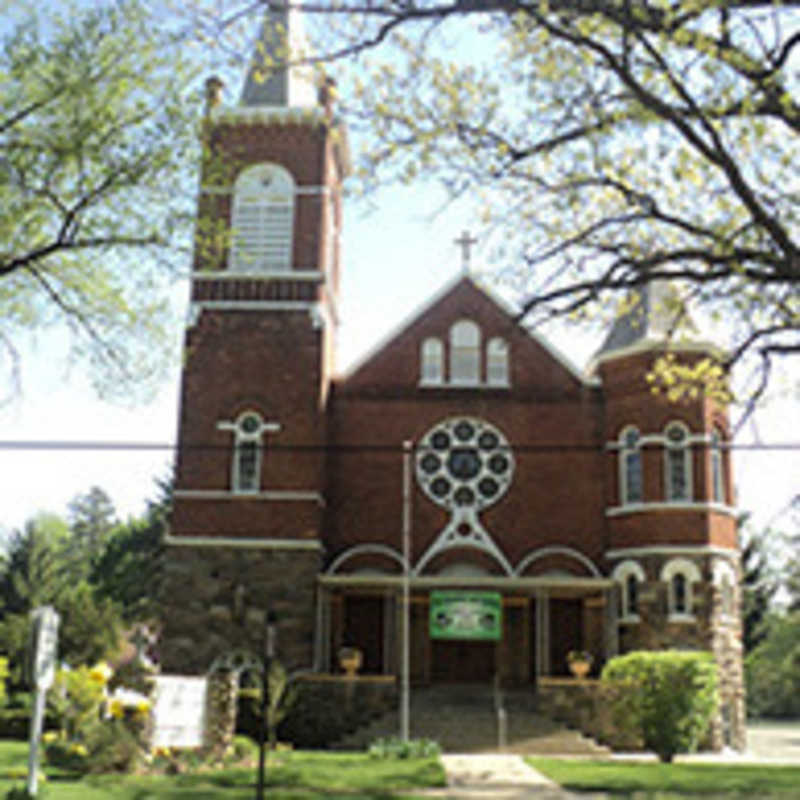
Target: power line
[[122, 446]]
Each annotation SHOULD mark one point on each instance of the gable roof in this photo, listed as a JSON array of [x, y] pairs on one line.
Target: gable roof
[[440, 296]]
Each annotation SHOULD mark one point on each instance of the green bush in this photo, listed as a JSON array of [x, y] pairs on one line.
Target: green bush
[[772, 670], [394, 747], [667, 698], [21, 793]]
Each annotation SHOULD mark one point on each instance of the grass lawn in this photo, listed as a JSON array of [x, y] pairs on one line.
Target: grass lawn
[[672, 780], [292, 776]]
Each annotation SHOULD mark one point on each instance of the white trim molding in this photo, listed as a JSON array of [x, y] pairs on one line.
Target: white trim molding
[[622, 573], [271, 275], [256, 305], [365, 549], [500, 582], [255, 544], [672, 550], [274, 495], [661, 505], [556, 550], [649, 344]]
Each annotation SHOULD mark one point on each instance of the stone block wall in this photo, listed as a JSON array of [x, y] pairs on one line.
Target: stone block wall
[[215, 599]]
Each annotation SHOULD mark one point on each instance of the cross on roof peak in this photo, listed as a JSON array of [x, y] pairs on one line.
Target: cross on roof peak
[[465, 242]]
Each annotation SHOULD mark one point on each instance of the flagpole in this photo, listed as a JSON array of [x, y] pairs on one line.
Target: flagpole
[[405, 665]]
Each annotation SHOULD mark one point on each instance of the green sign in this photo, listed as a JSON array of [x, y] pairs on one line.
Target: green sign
[[466, 615]]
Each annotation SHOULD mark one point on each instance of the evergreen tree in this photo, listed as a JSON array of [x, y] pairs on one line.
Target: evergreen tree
[[759, 585], [39, 570], [129, 570], [92, 518]]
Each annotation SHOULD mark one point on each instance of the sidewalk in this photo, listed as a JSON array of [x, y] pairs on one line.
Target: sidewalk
[[499, 777]]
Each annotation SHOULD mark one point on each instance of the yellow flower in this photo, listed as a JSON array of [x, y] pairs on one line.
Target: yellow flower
[[79, 750], [143, 706], [50, 736], [116, 708], [101, 673]]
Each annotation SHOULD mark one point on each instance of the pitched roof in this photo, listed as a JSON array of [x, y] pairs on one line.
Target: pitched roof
[[439, 297], [653, 313]]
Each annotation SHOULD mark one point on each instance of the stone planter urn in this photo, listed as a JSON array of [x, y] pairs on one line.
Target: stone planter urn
[[350, 660], [579, 662]]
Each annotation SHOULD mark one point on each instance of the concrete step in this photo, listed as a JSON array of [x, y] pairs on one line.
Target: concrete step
[[463, 723]]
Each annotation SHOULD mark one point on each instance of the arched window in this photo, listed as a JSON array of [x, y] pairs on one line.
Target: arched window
[[725, 581], [680, 575], [262, 220], [465, 353], [629, 574], [630, 467], [497, 362], [246, 467], [677, 463], [432, 362], [717, 468]]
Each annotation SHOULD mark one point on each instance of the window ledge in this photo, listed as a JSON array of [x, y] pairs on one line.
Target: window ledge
[[443, 385], [682, 619], [630, 619], [639, 508]]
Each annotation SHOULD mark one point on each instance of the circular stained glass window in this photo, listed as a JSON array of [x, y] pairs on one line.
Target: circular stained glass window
[[250, 423], [464, 463]]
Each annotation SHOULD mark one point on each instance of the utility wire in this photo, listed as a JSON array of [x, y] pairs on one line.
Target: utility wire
[[54, 445]]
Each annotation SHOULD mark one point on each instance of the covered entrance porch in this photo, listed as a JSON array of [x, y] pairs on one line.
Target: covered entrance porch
[[543, 618]]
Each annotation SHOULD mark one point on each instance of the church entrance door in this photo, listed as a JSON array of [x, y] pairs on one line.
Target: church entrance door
[[462, 662], [363, 628]]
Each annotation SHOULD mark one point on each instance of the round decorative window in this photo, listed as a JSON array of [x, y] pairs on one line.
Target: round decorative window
[[464, 463], [250, 424]]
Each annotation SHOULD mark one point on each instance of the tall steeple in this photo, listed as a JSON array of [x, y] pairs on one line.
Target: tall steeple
[[276, 76]]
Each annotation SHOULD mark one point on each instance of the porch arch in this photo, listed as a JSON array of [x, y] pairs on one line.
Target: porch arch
[[557, 550]]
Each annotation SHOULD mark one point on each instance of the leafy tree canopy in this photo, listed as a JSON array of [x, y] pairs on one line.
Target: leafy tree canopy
[[610, 143], [95, 137]]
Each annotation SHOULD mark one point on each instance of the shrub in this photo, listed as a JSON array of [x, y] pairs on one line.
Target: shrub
[[21, 793], [98, 733], [772, 670], [394, 747], [668, 698]]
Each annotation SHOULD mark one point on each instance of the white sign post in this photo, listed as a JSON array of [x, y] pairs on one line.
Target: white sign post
[[45, 646]]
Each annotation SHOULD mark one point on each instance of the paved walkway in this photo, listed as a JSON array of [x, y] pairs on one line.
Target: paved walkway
[[499, 777], [494, 776]]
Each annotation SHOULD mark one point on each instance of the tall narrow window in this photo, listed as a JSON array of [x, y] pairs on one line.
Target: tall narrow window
[[631, 484], [680, 575], [246, 477], [497, 362], [631, 596], [262, 220], [432, 362], [717, 468], [677, 464], [629, 574], [679, 593], [465, 353]]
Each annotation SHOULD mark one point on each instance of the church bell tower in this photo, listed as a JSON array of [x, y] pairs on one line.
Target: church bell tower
[[245, 532]]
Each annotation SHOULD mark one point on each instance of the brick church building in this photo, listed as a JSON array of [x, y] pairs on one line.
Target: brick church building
[[597, 513]]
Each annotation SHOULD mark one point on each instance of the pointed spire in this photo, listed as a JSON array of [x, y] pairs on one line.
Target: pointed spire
[[651, 316], [269, 81]]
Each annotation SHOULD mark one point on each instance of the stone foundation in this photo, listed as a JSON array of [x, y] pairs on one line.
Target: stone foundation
[[713, 628], [215, 600]]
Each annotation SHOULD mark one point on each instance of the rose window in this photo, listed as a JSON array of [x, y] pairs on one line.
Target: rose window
[[464, 463]]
